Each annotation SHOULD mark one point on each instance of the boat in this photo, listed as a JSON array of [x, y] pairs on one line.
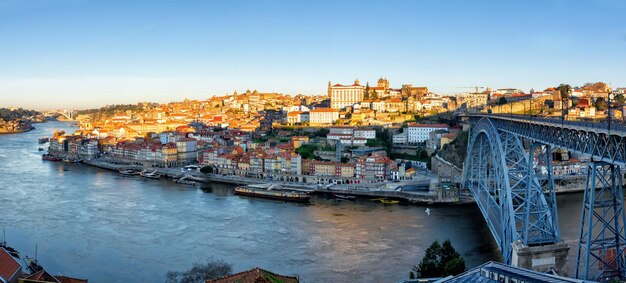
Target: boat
[[43, 140], [152, 175], [344, 197], [128, 172], [270, 193], [40, 149], [13, 252], [32, 263], [386, 201], [50, 157]]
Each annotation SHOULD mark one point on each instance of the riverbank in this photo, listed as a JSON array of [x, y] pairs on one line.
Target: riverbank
[[380, 190]]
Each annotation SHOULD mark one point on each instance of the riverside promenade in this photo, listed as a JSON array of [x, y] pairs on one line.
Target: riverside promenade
[[367, 190]]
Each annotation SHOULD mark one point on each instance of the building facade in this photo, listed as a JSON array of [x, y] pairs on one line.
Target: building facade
[[342, 96], [417, 133]]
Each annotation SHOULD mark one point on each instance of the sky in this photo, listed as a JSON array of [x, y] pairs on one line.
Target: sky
[[76, 54]]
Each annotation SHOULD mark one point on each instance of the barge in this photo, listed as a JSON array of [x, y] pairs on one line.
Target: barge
[[271, 193]]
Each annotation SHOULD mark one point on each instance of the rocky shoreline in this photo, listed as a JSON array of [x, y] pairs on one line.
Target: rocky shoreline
[[15, 127]]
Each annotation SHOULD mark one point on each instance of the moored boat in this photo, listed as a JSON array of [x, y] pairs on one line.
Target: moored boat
[[128, 172], [344, 197], [50, 157], [13, 252], [33, 265], [152, 175], [273, 194], [43, 140], [386, 201]]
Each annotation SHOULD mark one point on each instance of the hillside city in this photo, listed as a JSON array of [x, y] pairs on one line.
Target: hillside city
[[355, 134]]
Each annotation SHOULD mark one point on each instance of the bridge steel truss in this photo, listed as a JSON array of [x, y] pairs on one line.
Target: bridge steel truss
[[602, 243], [508, 185]]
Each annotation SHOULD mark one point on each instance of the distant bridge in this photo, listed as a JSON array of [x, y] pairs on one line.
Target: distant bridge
[[68, 114], [509, 166]]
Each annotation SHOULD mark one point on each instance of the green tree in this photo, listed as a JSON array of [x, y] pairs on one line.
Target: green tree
[[307, 151], [422, 154], [439, 261], [367, 91], [372, 142], [600, 104], [501, 101], [549, 103], [322, 132]]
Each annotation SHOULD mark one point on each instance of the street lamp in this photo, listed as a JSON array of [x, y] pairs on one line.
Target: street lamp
[[610, 97], [564, 105]]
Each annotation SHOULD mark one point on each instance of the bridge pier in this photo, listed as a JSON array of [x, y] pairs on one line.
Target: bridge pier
[[541, 258], [602, 244]]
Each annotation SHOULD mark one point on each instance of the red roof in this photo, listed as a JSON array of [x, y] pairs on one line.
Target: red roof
[[255, 275], [8, 265], [325, 110], [43, 276], [415, 125]]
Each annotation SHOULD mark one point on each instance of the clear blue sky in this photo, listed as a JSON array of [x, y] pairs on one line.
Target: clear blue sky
[[79, 54]]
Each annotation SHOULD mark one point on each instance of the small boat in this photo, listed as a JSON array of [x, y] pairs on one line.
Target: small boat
[[13, 252], [269, 193], [344, 197], [50, 157], [386, 201], [43, 140], [40, 149], [32, 263], [152, 175], [128, 172]]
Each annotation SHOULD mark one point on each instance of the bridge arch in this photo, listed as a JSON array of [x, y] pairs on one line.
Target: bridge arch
[[501, 177]]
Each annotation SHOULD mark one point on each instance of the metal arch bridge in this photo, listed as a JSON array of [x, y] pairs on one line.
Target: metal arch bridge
[[509, 172], [69, 114]]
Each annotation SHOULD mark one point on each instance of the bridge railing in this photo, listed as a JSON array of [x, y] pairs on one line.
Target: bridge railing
[[616, 124]]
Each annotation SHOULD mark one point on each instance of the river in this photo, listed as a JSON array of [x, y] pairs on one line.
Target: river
[[96, 224]]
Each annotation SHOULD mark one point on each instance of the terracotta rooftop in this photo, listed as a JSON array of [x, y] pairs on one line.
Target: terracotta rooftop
[[8, 265], [41, 276]]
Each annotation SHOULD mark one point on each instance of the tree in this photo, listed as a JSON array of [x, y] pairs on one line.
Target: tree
[[439, 261], [373, 95], [307, 151], [422, 154], [213, 269], [501, 101], [549, 103], [601, 104], [372, 142], [367, 91], [565, 90]]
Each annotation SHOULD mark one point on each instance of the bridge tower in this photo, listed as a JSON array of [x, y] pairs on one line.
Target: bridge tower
[[602, 244]]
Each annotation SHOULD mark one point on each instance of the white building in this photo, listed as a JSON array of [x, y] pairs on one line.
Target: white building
[[297, 117], [342, 96], [400, 138], [365, 134], [417, 133], [323, 116]]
